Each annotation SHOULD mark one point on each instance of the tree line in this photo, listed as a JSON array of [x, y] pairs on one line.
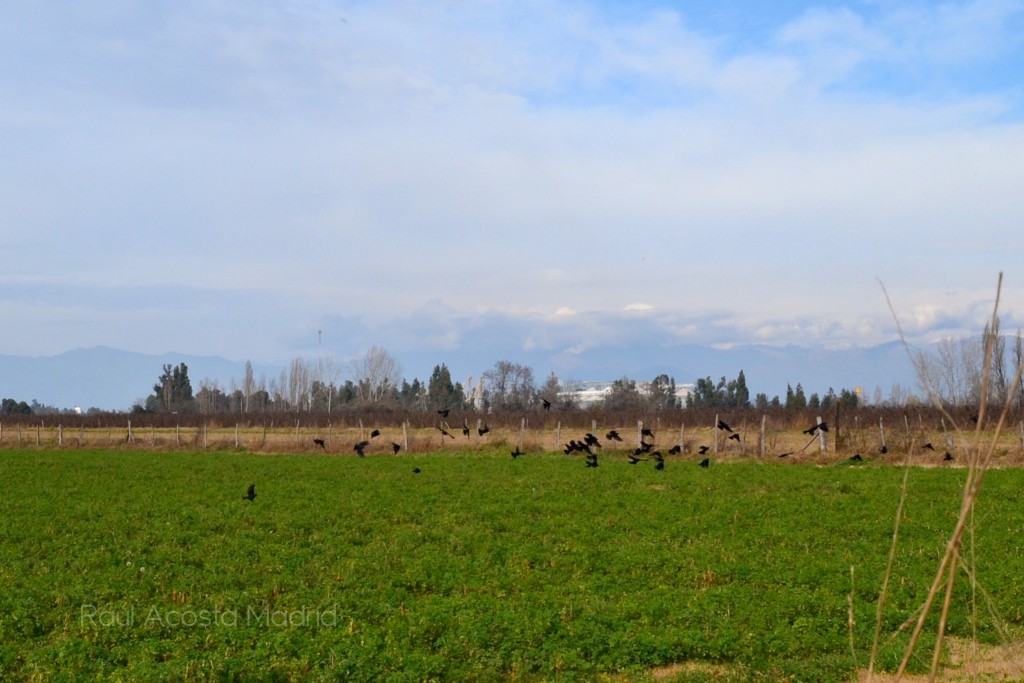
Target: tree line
[[375, 382]]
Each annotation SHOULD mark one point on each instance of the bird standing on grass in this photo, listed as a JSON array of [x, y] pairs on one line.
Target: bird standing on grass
[[613, 436], [395, 448], [705, 463], [250, 495]]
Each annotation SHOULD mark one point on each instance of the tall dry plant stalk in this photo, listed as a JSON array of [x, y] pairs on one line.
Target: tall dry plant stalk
[[979, 460]]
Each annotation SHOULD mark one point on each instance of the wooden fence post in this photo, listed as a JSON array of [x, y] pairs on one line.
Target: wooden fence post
[[714, 431], [763, 440]]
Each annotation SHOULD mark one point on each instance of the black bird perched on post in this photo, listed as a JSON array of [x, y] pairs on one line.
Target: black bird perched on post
[[734, 436], [675, 450], [613, 436], [358, 448], [250, 495], [705, 463], [703, 449], [320, 443], [375, 433], [545, 403], [722, 425], [395, 448]]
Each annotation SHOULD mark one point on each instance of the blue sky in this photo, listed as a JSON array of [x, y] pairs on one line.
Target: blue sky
[[231, 177]]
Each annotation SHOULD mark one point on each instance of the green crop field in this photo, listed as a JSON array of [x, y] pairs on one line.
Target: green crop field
[[126, 565]]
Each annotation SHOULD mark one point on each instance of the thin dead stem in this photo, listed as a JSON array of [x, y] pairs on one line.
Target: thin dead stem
[[978, 462]]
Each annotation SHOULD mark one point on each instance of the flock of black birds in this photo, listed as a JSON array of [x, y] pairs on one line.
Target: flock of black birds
[[589, 445]]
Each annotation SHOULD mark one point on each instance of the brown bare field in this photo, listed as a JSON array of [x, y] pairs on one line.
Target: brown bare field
[[778, 437]]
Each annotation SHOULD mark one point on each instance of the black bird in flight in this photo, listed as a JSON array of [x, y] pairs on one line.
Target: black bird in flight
[[633, 459], [734, 436], [613, 436], [395, 448], [591, 440], [416, 470], [444, 433], [250, 495], [884, 449], [929, 447], [823, 426], [375, 433], [591, 460], [948, 456], [443, 412], [660, 465], [722, 425], [703, 449], [480, 431], [675, 450], [646, 431], [705, 463], [856, 458], [646, 447], [516, 453], [358, 448], [546, 403], [320, 443], [786, 455], [465, 428]]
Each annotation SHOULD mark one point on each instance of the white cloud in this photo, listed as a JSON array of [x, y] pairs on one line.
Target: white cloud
[[548, 163]]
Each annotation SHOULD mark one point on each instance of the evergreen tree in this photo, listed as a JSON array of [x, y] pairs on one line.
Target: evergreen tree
[[172, 391], [662, 392], [441, 392]]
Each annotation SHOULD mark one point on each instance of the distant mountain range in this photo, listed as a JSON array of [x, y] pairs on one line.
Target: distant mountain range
[[112, 379]]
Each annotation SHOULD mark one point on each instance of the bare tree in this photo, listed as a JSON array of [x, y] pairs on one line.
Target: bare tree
[[374, 373], [299, 384], [509, 386]]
